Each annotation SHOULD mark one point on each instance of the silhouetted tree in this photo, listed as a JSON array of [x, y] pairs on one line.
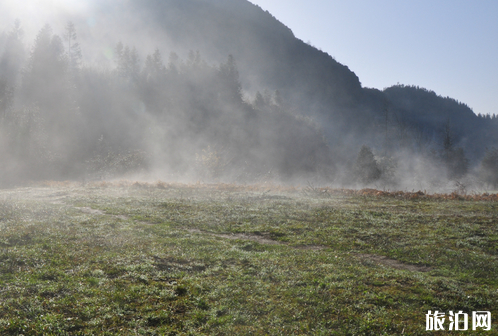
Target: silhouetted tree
[[458, 164], [45, 80], [10, 64], [366, 169], [454, 159], [448, 142], [489, 167], [14, 53], [47, 87], [259, 102], [153, 91], [174, 62], [194, 58], [277, 99], [154, 67], [230, 77], [128, 62], [73, 50]]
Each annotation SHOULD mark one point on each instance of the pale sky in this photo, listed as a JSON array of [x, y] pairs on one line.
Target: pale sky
[[448, 46]]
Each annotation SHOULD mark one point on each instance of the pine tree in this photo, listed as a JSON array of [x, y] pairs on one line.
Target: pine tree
[[13, 56], [230, 78], [152, 91], [73, 50], [128, 62], [45, 81], [154, 67], [259, 102], [10, 64], [489, 167], [366, 169], [174, 63], [454, 159]]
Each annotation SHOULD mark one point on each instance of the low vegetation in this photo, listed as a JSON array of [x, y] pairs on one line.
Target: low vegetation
[[167, 259]]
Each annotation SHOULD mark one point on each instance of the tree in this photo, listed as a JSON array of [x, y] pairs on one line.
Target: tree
[[10, 64], [259, 102], [73, 51], [47, 87], [152, 83], [13, 56], [128, 62], [457, 165], [174, 63], [489, 167], [154, 66], [194, 59], [366, 169], [277, 99], [230, 78], [448, 142], [45, 81]]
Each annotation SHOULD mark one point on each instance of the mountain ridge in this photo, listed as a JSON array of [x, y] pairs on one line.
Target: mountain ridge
[[271, 79]]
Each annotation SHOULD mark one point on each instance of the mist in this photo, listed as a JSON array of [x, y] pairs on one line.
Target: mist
[[215, 91]]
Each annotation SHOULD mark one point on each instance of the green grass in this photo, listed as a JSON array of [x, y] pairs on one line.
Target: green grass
[[220, 260]]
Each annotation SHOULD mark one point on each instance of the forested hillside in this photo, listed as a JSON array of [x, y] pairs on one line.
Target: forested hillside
[[66, 120], [219, 90]]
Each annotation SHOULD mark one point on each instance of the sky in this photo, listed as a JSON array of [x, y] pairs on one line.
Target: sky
[[447, 46]]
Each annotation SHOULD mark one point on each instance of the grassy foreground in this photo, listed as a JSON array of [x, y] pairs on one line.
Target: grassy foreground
[[138, 259]]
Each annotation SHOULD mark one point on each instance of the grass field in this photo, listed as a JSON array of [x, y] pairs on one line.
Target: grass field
[[160, 259]]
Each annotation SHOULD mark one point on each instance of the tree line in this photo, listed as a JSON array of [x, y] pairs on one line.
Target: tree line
[[63, 119]]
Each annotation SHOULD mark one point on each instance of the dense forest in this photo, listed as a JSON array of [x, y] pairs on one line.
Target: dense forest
[[185, 118], [246, 104]]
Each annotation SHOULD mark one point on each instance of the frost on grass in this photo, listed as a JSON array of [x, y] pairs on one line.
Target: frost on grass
[[224, 259]]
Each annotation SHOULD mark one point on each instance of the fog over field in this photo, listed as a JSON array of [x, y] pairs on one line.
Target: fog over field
[[190, 167], [215, 91]]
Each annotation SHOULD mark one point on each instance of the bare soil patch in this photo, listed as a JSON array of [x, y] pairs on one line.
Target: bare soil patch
[[91, 211], [393, 263], [259, 238], [244, 236], [100, 212]]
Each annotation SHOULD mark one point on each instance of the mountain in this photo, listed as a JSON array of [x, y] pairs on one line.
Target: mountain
[[269, 56], [222, 87]]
